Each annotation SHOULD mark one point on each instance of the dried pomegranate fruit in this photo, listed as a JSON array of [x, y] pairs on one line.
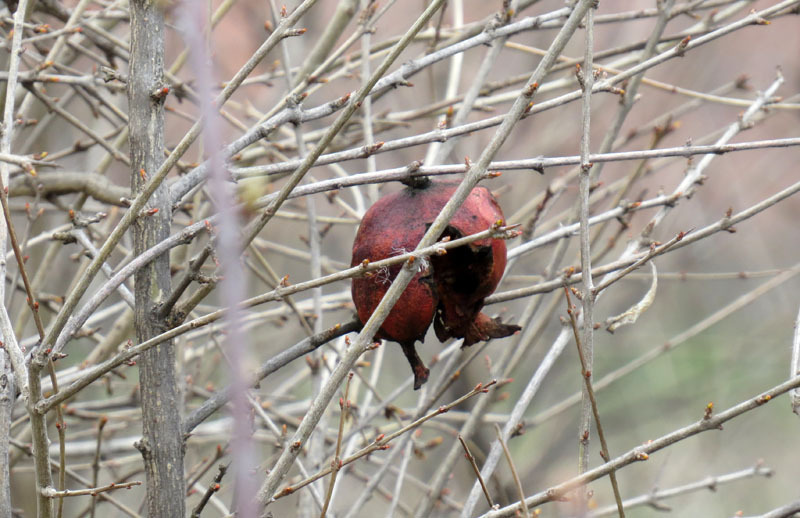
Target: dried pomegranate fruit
[[448, 290]]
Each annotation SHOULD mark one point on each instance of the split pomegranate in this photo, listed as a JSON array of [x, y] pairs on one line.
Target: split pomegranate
[[448, 289]]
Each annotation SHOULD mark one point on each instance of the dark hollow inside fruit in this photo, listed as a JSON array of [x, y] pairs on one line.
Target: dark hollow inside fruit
[[461, 269], [461, 277], [456, 277]]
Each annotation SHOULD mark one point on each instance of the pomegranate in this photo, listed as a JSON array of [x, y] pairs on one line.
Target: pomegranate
[[448, 290]]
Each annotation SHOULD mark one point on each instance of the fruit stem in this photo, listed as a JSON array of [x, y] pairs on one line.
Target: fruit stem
[[416, 182]]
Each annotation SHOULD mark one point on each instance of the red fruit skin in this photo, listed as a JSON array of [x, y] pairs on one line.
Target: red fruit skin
[[393, 226], [453, 292]]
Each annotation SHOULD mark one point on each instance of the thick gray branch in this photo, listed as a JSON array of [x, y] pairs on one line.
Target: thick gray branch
[[67, 182], [161, 445]]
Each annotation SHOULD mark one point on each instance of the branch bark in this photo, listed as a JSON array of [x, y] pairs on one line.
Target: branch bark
[[161, 445]]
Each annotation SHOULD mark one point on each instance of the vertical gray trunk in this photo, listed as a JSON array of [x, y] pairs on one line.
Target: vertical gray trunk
[[161, 444]]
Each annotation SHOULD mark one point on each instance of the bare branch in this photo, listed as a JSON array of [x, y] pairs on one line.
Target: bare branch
[[644, 451]]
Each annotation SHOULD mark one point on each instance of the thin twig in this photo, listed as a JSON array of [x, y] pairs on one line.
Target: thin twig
[[430, 394], [189, 232], [643, 452], [672, 343], [521, 104], [407, 453], [689, 182], [212, 488], [26, 450], [188, 181], [514, 473], [528, 164], [654, 251], [75, 121], [221, 397], [477, 471], [194, 476], [712, 483], [366, 110], [381, 442], [91, 491], [586, 344], [336, 464], [158, 177], [587, 380], [721, 225], [101, 423], [38, 422]]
